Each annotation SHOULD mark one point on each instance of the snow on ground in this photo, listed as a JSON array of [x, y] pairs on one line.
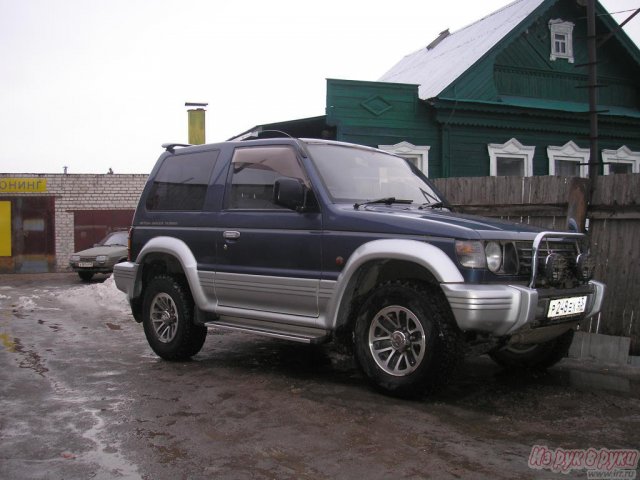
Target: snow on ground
[[104, 295]]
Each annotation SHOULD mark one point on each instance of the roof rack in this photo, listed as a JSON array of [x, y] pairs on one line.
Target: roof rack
[[170, 147]]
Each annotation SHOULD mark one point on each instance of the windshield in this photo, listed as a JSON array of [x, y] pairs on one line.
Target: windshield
[[353, 174], [115, 238]]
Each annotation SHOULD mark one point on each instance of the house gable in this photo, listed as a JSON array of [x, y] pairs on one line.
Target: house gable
[[524, 68]]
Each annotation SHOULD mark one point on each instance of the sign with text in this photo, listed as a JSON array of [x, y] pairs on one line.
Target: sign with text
[[23, 185]]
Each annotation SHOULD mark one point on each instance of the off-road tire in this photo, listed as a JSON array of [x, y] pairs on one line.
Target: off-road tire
[[536, 357], [424, 348], [168, 319]]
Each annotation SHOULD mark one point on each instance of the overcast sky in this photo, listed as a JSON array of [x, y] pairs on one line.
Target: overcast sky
[[99, 84]]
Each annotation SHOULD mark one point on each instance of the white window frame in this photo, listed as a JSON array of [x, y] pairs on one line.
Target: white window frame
[[511, 149], [571, 152], [411, 152], [623, 155], [558, 26]]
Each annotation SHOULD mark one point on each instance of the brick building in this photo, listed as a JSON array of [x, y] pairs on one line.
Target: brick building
[[46, 217]]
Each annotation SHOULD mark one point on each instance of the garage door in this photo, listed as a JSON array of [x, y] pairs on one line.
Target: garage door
[[91, 226]]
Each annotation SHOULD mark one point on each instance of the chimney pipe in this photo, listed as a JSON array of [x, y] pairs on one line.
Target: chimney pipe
[[196, 116]]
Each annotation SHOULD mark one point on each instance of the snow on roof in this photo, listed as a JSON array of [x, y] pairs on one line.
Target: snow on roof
[[436, 68]]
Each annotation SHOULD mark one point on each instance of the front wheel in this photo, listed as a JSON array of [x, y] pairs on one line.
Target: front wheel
[[168, 314], [85, 276], [405, 339], [539, 356]]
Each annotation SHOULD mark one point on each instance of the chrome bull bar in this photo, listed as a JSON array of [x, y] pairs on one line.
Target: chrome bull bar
[[553, 236]]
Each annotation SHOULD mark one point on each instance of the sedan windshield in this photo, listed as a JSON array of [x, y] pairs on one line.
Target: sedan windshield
[[361, 175], [115, 238]]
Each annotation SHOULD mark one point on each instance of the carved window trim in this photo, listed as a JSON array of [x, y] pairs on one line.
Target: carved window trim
[[569, 152], [510, 150]]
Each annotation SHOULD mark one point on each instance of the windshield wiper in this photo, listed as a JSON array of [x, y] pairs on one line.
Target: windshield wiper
[[385, 201], [431, 205]]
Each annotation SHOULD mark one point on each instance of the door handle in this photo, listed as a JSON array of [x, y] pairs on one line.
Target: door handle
[[231, 235]]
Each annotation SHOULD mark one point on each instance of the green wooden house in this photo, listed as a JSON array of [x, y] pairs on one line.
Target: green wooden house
[[505, 95]]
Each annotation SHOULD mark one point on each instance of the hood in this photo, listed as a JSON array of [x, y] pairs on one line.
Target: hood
[[432, 222], [111, 250]]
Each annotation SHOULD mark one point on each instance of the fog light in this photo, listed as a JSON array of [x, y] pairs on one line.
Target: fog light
[[585, 266], [555, 268]]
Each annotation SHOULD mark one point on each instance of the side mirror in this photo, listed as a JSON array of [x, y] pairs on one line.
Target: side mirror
[[289, 193]]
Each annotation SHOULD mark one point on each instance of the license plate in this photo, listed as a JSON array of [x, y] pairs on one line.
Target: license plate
[[567, 306], [85, 264]]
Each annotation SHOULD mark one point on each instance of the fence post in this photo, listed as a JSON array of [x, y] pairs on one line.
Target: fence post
[[578, 203]]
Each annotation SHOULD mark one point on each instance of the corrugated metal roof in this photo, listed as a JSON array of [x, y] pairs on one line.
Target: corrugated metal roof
[[436, 68]]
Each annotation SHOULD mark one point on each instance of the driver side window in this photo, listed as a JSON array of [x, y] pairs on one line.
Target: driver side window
[[254, 171]]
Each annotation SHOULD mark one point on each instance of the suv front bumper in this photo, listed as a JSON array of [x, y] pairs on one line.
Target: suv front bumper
[[124, 275], [503, 309]]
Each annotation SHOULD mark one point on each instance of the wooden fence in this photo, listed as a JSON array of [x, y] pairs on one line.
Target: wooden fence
[[613, 230]]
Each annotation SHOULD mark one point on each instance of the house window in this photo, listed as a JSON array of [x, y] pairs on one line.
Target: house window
[[559, 44], [418, 155], [568, 160], [622, 160], [510, 159], [561, 39]]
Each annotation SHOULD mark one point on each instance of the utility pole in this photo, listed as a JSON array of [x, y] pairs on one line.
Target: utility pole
[[580, 192], [594, 157]]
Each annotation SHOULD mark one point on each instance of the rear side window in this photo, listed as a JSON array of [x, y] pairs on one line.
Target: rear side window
[[255, 170], [181, 182]]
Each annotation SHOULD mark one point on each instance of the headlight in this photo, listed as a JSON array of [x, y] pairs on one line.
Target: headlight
[[101, 258], [493, 250], [470, 254], [75, 258]]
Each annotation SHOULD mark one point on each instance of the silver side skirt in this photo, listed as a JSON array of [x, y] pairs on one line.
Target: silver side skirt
[[270, 329]]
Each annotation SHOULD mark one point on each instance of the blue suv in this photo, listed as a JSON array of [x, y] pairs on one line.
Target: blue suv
[[312, 241]]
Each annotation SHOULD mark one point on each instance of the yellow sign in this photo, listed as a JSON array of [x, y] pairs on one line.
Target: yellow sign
[[23, 185], [5, 229]]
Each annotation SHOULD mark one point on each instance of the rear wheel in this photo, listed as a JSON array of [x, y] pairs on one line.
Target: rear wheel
[[405, 339], [168, 314], [539, 356]]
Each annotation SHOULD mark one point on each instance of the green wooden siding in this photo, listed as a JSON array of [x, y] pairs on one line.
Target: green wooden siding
[[377, 113]]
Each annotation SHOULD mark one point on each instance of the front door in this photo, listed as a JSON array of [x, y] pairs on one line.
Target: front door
[[269, 257]]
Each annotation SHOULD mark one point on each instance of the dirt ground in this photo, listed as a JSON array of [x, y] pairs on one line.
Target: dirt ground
[[83, 397]]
